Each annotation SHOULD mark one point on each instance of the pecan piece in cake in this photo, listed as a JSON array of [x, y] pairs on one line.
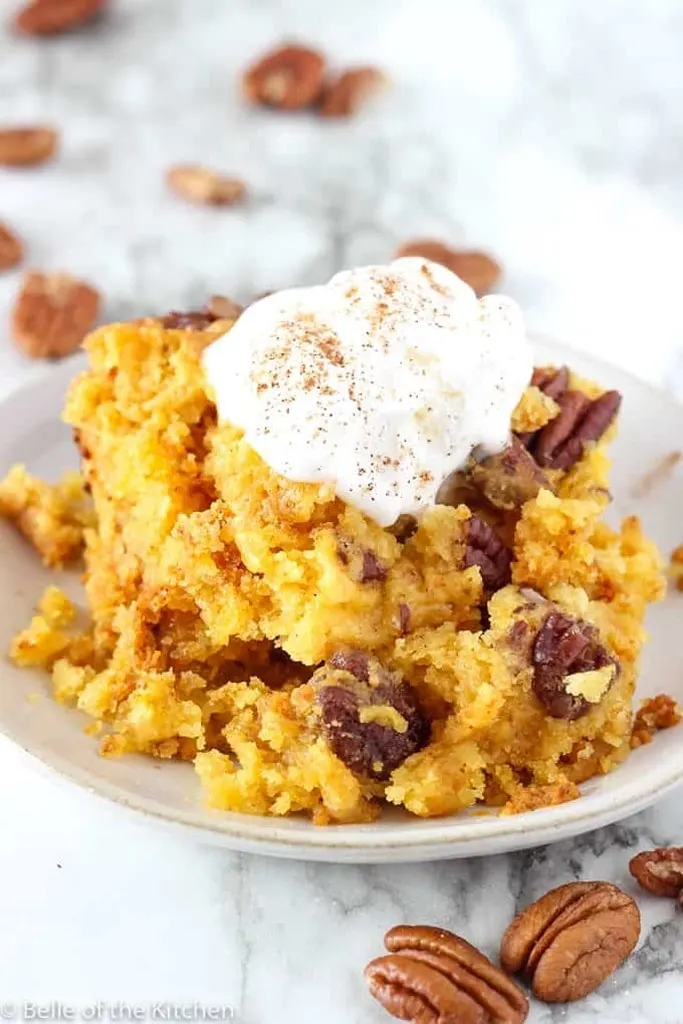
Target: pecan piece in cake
[[217, 308], [510, 478], [561, 443], [554, 383], [572, 669], [485, 549], [370, 716]]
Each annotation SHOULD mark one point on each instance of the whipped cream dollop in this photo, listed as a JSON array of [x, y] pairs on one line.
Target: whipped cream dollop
[[381, 382]]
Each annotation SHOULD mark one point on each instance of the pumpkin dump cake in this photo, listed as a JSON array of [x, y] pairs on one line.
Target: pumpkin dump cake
[[346, 551]]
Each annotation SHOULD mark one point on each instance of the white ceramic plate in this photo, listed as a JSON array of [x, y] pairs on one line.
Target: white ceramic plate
[[651, 427]]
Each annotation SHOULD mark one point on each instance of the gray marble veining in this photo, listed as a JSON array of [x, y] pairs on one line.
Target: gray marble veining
[[551, 133]]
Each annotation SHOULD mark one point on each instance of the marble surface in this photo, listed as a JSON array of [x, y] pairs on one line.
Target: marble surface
[[551, 133]]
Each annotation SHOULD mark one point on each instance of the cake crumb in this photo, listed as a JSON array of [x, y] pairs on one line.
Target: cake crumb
[[531, 798], [660, 712]]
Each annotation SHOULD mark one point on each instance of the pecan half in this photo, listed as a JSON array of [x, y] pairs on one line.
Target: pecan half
[[27, 146], [484, 548], [404, 618], [201, 185], [370, 717], [554, 383], [52, 314], [345, 95], [217, 308], [52, 17], [561, 443], [571, 940], [289, 78], [565, 648], [510, 478], [220, 307], [551, 382], [11, 249], [660, 871], [191, 320], [433, 976], [479, 270], [372, 570]]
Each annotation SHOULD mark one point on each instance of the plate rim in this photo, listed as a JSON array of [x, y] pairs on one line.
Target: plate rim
[[355, 842]]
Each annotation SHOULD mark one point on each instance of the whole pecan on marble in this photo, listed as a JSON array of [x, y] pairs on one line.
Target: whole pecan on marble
[[432, 976], [569, 941], [561, 443], [344, 95], [11, 249], [479, 270], [289, 78], [52, 17], [27, 146], [200, 184], [660, 871], [52, 314], [370, 716], [510, 478], [484, 548], [564, 651]]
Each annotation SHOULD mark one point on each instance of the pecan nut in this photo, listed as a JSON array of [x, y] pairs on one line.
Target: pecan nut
[[217, 308], [370, 716], [202, 185], [561, 443], [434, 976], [190, 320], [485, 549], [220, 307], [52, 17], [477, 269], [289, 78], [52, 314], [11, 249], [510, 478], [660, 871], [26, 147], [346, 94], [554, 383], [364, 565], [564, 651], [569, 941]]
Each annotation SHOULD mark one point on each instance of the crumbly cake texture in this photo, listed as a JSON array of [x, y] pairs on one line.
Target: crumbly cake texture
[[303, 658]]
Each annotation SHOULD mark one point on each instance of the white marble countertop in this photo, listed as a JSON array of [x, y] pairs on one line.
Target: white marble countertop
[[550, 133]]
